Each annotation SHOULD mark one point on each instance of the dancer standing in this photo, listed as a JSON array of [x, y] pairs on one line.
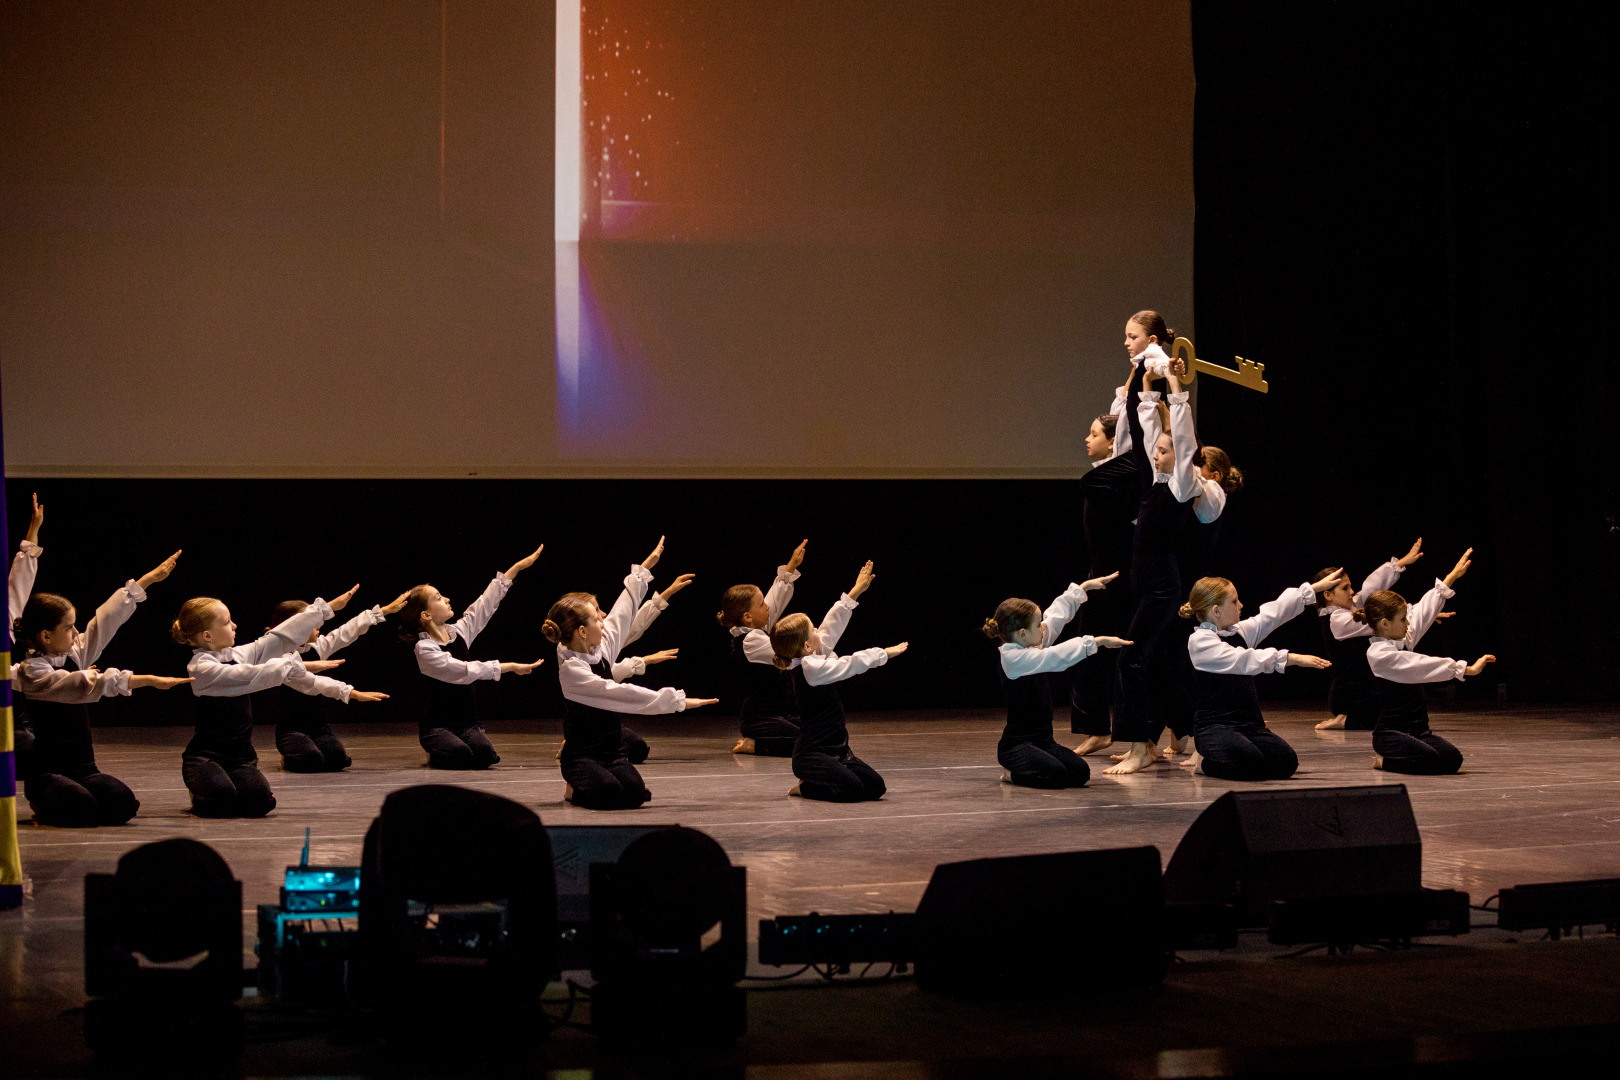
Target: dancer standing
[[451, 731], [304, 736], [597, 772], [822, 760], [1230, 737], [1402, 741], [1110, 495], [1027, 750], [20, 585], [1147, 341], [1352, 696], [59, 678], [769, 718]]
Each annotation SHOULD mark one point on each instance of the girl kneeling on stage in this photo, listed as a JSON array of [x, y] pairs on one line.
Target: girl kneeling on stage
[[768, 718], [60, 681], [822, 760], [1402, 741], [1230, 735], [219, 764], [1027, 750], [450, 731], [597, 772]]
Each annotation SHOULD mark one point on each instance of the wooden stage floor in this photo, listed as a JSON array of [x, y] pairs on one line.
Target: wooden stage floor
[[1538, 800]]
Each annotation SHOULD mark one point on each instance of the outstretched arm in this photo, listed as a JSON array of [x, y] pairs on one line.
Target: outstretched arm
[[780, 594], [819, 670], [1272, 614], [580, 684], [481, 610]]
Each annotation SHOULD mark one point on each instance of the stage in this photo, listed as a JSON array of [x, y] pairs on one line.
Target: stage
[[1538, 800]]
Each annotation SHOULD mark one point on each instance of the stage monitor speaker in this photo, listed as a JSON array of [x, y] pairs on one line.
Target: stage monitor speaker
[[1252, 847], [1012, 926]]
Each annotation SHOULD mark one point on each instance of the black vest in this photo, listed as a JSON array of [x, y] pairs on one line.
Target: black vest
[[1225, 700], [1402, 707], [224, 730], [1109, 498], [291, 711], [767, 691], [1349, 655], [1029, 709], [590, 732], [1160, 521], [453, 706], [61, 736], [821, 718]]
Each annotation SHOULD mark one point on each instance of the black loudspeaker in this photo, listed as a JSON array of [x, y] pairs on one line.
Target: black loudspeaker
[[1250, 848], [1043, 924]]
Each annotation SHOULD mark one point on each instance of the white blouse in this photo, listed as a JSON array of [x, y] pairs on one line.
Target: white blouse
[[1211, 651], [1395, 660], [1018, 661], [1342, 621], [756, 641], [627, 621], [1157, 361], [270, 661], [824, 665], [24, 569], [433, 659], [45, 678]]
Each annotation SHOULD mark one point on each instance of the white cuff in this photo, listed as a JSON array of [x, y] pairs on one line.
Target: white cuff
[[1177, 399], [31, 549], [641, 573], [136, 593], [1443, 589], [659, 602]]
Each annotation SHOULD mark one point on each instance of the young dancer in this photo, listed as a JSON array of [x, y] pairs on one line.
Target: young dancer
[[219, 765], [1109, 496], [20, 585], [769, 717], [822, 759], [597, 772], [1167, 486], [59, 679], [1027, 750], [1230, 736], [304, 737], [450, 730], [1402, 741], [1148, 341], [1351, 696]]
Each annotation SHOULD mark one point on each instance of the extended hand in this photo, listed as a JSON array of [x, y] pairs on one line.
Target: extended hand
[[1478, 666], [159, 572], [510, 668], [699, 702], [660, 656], [1461, 568], [366, 695], [657, 553], [676, 586], [797, 557], [315, 667], [36, 521], [896, 650], [397, 603], [524, 563], [1094, 584], [1308, 661], [156, 682], [863, 581], [342, 601], [1411, 556], [1328, 582], [1105, 642]]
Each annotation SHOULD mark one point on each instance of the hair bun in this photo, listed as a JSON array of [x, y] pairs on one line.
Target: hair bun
[[1186, 611], [991, 629], [551, 632], [1360, 614]]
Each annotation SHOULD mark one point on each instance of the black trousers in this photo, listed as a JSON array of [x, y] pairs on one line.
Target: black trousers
[[1245, 750], [1357, 701], [81, 799], [311, 751], [22, 748], [1416, 755], [1142, 681], [837, 777], [1091, 682], [468, 748], [612, 785], [237, 789], [1044, 764], [633, 746], [773, 736]]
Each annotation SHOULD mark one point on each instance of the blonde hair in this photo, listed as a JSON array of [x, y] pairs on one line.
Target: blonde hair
[[1206, 593], [789, 638], [1012, 615], [196, 615], [567, 616]]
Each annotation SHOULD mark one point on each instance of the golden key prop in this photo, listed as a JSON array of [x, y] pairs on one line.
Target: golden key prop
[[1248, 373]]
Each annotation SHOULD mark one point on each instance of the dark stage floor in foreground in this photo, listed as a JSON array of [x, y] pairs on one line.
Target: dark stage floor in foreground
[[1538, 800]]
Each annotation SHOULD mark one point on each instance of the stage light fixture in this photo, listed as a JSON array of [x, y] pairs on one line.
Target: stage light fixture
[[1559, 907], [163, 954], [669, 941]]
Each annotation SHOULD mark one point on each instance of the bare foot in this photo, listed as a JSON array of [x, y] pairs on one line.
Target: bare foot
[[1334, 724], [1139, 758], [559, 752], [1093, 744], [744, 745], [1378, 761], [1195, 763], [1152, 752], [1006, 776], [1177, 745], [568, 793], [796, 792]]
